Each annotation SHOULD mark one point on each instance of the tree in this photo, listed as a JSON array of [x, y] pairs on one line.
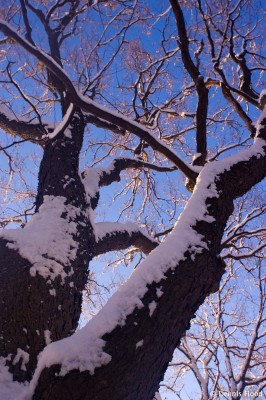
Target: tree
[[225, 348], [198, 81]]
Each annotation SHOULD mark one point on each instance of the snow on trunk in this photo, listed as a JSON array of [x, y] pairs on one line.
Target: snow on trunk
[[84, 349]]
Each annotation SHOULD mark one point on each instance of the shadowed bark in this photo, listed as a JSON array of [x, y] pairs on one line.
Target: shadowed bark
[[41, 306], [36, 309], [135, 373]]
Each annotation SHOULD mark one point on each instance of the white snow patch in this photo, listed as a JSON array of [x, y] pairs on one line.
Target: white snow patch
[[47, 239], [159, 292], [152, 307], [22, 356], [196, 155], [90, 179], [139, 344], [52, 292], [10, 390], [101, 229], [262, 94], [47, 336], [262, 116], [63, 124]]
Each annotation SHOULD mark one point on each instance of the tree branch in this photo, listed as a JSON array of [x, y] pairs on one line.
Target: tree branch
[[112, 173], [155, 298], [34, 132], [112, 236], [91, 107], [202, 91], [26, 22], [94, 178]]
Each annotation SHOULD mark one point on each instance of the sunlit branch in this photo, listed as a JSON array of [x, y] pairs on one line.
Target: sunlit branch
[[112, 173], [31, 131], [114, 236], [202, 90], [97, 110]]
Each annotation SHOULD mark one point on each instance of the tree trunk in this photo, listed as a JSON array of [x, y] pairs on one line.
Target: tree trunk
[[35, 309], [135, 371]]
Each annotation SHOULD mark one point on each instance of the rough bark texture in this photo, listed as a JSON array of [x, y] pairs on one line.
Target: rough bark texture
[[135, 373], [28, 309]]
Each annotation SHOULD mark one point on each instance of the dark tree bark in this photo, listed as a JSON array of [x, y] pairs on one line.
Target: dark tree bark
[[36, 309], [26, 314], [135, 373]]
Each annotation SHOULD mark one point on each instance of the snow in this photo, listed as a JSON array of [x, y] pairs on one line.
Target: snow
[[10, 390], [84, 349], [159, 292], [22, 356], [63, 124], [262, 116], [47, 239], [102, 229], [196, 155], [47, 242], [90, 179], [262, 94], [47, 336], [152, 307], [139, 344]]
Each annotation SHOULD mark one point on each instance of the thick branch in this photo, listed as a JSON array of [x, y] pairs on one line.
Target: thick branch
[[230, 98], [184, 42], [112, 174], [215, 82], [26, 22], [202, 91], [94, 178], [31, 131], [113, 236], [245, 83], [91, 107], [161, 296]]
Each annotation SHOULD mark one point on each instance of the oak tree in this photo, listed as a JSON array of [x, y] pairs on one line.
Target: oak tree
[[144, 95]]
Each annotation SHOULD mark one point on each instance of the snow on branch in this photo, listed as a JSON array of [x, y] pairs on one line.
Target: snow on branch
[[85, 349], [112, 174], [13, 125], [47, 240], [94, 178], [111, 236], [63, 124], [91, 107]]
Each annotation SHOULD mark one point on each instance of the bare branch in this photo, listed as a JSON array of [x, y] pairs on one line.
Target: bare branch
[[97, 110], [202, 91], [112, 236], [31, 131], [26, 22]]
